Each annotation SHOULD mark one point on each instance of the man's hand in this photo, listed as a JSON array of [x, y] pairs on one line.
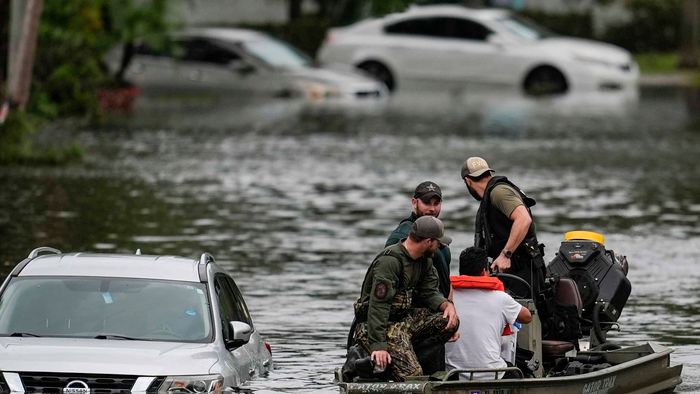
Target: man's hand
[[502, 263], [454, 337], [450, 313], [381, 357]]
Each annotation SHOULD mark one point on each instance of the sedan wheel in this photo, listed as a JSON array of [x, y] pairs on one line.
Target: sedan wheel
[[379, 72], [545, 80]]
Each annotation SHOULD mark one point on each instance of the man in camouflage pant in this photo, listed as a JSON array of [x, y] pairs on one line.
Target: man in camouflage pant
[[388, 324]]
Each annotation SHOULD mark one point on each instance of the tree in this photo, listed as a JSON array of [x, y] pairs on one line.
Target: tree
[[294, 9]]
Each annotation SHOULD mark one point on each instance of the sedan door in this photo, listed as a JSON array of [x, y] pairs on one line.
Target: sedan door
[[207, 66], [441, 48]]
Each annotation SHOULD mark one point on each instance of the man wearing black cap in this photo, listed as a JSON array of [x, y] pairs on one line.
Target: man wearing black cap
[[504, 226], [389, 323], [427, 200]]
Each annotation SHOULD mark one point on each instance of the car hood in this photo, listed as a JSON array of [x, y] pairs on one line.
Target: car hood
[[123, 357], [587, 49], [343, 80]]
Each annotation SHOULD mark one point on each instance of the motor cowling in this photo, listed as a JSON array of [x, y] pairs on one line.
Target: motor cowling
[[600, 274]]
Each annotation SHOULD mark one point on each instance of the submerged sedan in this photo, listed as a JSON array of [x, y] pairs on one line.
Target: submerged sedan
[[242, 62], [447, 43]]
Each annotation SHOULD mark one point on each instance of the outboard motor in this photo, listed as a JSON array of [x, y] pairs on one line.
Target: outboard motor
[[601, 278]]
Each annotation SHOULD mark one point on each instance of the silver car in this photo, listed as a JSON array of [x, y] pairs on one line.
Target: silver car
[[242, 62], [111, 323]]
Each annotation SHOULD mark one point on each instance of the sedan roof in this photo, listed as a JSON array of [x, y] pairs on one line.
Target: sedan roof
[[456, 10], [114, 265], [226, 33]]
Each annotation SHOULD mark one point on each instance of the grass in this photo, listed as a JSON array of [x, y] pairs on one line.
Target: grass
[[17, 144], [665, 63], [657, 62]]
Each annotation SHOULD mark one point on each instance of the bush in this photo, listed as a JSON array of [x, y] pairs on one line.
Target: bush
[[15, 136], [655, 26], [16, 144]]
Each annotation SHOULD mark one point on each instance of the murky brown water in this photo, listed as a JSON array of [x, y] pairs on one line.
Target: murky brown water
[[295, 200]]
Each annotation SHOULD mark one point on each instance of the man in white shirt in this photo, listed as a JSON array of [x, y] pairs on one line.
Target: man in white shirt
[[484, 310]]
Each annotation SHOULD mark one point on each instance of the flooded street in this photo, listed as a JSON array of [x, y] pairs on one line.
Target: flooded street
[[295, 200]]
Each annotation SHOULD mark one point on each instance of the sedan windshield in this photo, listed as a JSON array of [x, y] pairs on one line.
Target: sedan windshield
[[525, 28], [277, 53], [105, 308]]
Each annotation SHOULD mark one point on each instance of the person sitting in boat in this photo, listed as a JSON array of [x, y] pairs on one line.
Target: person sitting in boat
[[485, 310], [427, 200], [388, 323]]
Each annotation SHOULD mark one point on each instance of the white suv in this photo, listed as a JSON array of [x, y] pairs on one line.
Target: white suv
[[109, 323]]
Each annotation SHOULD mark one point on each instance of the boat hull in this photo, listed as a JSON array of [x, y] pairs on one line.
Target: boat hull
[[636, 370]]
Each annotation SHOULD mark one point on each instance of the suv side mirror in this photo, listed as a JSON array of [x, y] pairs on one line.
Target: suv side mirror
[[241, 334]]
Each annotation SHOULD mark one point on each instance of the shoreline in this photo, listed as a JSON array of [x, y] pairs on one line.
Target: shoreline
[[674, 79]]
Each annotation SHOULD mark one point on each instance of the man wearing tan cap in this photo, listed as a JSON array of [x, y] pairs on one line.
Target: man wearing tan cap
[[388, 321], [504, 226]]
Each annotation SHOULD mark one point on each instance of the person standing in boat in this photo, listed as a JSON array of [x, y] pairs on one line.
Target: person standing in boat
[[427, 201], [388, 322], [505, 227], [487, 313]]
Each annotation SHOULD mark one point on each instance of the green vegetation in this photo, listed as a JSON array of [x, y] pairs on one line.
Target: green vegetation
[[17, 147], [657, 62], [665, 63], [73, 39]]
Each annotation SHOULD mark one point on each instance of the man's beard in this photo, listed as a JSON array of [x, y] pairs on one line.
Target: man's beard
[[429, 253], [474, 194]]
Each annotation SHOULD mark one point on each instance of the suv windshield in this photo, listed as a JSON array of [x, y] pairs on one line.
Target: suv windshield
[[277, 53], [525, 28], [105, 308]]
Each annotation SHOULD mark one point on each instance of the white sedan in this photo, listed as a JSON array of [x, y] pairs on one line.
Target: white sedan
[[447, 43]]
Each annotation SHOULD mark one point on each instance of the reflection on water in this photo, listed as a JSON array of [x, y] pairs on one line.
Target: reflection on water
[[296, 199]]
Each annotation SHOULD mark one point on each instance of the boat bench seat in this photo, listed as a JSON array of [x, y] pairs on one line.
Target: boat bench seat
[[566, 294], [553, 349]]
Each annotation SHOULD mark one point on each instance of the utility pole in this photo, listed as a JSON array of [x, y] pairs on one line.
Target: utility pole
[[690, 34], [23, 33]]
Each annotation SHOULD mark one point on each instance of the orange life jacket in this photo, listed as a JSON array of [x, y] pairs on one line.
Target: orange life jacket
[[480, 282]]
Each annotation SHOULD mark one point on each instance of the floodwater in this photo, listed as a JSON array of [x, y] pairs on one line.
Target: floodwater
[[295, 199]]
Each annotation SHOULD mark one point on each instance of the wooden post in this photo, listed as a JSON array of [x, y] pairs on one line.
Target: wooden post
[[690, 34], [4, 36], [22, 52]]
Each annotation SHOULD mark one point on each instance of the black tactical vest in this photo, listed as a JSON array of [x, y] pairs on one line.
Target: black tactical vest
[[493, 227]]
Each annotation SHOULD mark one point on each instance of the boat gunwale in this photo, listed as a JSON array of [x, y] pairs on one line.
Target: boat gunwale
[[655, 353]]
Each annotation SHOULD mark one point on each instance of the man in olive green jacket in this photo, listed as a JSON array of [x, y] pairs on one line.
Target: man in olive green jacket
[[388, 322]]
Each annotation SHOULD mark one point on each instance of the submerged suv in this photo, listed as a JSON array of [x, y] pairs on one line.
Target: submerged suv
[[110, 323]]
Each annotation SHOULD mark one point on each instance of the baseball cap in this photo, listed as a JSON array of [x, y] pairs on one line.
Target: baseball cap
[[427, 190], [430, 227], [474, 167]]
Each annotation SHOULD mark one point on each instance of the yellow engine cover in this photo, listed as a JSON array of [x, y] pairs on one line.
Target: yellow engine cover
[[587, 235]]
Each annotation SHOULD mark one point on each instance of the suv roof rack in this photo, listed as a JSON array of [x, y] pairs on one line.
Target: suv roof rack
[[204, 259], [34, 253]]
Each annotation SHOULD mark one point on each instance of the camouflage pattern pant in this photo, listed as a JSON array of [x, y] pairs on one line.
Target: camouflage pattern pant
[[419, 324]]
